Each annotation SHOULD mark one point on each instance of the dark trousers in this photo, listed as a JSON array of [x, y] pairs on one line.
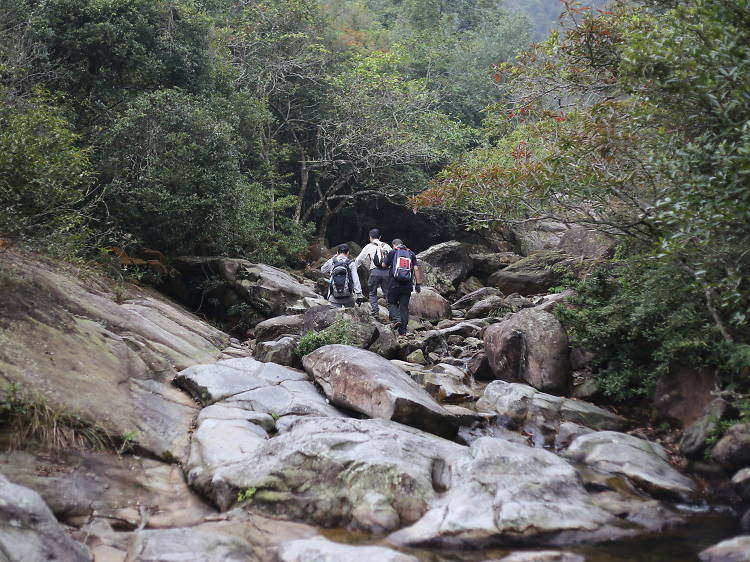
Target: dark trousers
[[398, 304], [377, 278]]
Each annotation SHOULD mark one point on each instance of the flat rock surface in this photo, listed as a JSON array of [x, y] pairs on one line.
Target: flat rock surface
[[111, 356], [643, 462], [369, 384]]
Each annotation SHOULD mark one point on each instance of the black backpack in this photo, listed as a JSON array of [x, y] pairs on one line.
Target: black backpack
[[378, 258], [341, 279]]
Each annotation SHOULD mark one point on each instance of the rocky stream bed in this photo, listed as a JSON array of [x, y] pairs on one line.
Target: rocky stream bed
[[470, 439]]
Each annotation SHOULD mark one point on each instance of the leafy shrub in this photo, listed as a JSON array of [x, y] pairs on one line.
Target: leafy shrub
[[640, 318], [341, 332]]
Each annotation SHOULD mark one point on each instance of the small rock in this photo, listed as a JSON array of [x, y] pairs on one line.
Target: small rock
[[730, 550], [741, 483], [416, 357]]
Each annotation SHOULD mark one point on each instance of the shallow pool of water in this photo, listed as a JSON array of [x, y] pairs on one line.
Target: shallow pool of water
[[681, 544]]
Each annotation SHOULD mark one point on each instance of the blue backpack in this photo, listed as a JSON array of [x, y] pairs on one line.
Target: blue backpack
[[402, 265]]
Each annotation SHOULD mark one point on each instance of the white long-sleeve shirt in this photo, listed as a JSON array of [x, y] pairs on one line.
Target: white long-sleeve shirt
[[327, 267], [369, 252]]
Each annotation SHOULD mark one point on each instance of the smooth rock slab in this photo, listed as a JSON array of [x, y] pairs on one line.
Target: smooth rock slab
[[374, 475], [322, 550], [369, 384], [188, 545], [504, 493], [731, 550], [641, 461], [28, 530]]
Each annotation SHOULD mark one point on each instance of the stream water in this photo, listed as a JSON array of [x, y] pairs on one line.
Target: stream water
[[681, 544]]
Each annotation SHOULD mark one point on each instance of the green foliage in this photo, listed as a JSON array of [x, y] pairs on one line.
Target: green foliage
[[33, 418], [246, 495], [45, 178], [340, 332], [642, 318]]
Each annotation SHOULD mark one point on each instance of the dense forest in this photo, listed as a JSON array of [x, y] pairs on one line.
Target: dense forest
[[245, 128]]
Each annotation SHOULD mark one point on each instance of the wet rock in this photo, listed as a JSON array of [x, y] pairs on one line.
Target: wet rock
[[28, 530], [467, 301], [733, 449], [272, 328], [741, 483], [531, 346], [542, 556], [129, 490], [532, 275], [188, 545], [643, 462], [491, 306], [324, 550], [428, 304], [730, 550], [452, 259], [520, 407], [682, 394], [502, 492], [282, 352], [367, 383], [693, 441]]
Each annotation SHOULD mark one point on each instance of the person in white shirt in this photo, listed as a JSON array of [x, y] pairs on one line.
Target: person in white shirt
[[344, 282], [376, 252]]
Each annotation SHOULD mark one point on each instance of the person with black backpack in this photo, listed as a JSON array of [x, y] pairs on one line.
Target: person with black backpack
[[375, 252], [344, 284], [401, 262]]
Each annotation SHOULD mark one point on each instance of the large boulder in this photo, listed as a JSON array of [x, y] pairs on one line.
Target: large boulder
[[367, 332], [323, 550], [188, 545], [273, 328], [520, 407], [491, 306], [682, 394], [501, 492], [537, 235], [434, 278], [642, 462], [694, 439], [486, 264], [730, 550], [581, 241], [282, 351], [106, 354], [467, 301], [367, 383], [532, 347], [733, 449], [370, 474], [534, 274], [131, 490], [452, 259], [28, 530], [268, 290], [429, 305]]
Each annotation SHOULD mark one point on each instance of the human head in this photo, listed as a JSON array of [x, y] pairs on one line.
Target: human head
[[374, 234], [397, 242], [343, 249]]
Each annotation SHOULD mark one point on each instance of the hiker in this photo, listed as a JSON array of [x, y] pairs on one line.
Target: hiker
[[376, 251], [344, 283], [401, 262]]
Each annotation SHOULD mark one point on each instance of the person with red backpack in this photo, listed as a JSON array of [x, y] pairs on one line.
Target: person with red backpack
[[401, 279], [344, 282], [375, 252]]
